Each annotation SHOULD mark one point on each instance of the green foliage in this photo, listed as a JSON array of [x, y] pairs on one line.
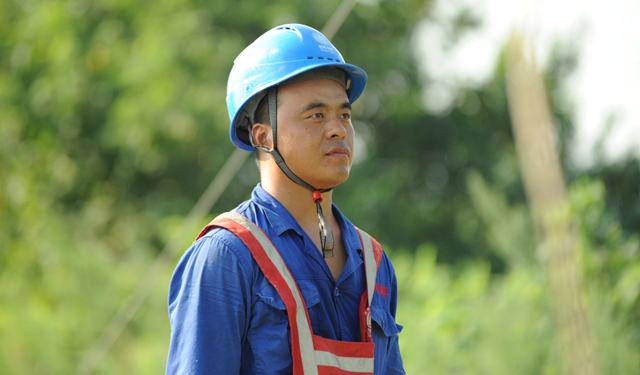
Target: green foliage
[[508, 230], [622, 180], [463, 320]]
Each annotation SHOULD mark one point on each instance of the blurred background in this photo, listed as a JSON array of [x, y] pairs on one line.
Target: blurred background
[[113, 122]]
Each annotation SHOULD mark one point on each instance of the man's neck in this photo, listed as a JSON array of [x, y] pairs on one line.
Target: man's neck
[[299, 202]]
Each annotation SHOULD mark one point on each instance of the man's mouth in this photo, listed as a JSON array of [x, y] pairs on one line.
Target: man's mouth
[[339, 152]]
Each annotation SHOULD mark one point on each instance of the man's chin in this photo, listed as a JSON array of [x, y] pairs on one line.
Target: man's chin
[[333, 181]]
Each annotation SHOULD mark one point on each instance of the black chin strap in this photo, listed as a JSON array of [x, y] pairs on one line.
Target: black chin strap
[[326, 235]]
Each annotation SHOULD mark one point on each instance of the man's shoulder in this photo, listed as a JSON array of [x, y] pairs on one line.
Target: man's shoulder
[[385, 265], [215, 239], [216, 233], [218, 238]]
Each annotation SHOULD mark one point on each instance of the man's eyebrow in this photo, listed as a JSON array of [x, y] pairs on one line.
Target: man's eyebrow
[[315, 105]]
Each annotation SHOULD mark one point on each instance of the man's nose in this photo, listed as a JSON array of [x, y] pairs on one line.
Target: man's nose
[[336, 127]]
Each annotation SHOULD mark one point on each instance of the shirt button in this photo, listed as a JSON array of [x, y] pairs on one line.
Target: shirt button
[[336, 291]]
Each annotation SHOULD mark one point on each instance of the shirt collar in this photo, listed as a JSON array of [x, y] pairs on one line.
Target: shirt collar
[[279, 217], [281, 220]]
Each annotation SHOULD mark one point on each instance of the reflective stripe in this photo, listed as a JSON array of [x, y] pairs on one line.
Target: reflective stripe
[[369, 263], [352, 364], [304, 328]]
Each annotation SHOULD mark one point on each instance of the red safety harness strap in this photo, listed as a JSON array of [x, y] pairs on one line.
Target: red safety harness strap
[[371, 250], [229, 221], [311, 354]]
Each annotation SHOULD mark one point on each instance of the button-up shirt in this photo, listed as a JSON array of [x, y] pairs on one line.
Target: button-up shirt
[[226, 317]]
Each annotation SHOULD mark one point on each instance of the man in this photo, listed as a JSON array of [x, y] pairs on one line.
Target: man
[[285, 283]]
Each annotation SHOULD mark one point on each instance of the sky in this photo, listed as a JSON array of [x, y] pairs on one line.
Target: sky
[[604, 89]]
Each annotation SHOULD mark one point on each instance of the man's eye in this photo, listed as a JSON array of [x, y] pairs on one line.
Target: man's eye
[[317, 115], [346, 116]]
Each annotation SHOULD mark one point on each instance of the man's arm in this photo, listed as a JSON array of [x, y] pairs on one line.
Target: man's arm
[[394, 361], [208, 302], [387, 278]]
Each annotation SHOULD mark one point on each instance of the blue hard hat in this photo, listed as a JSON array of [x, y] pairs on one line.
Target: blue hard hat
[[279, 54]]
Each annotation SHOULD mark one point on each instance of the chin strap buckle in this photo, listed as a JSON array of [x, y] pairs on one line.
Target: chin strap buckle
[[326, 236]]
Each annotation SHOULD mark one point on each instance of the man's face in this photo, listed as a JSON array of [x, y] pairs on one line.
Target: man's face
[[315, 134]]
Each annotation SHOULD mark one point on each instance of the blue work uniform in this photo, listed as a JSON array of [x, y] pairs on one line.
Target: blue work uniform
[[227, 318]]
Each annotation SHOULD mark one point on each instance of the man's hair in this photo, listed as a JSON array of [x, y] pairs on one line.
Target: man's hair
[[262, 116], [262, 111]]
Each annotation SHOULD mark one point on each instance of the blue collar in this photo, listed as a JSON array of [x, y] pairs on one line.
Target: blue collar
[[281, 221]]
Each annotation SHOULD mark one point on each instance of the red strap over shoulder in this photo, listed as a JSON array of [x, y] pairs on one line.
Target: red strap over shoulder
[[377, 248], [311, 354], [377, 252], [206, 229], [272, 273], [371, 252]]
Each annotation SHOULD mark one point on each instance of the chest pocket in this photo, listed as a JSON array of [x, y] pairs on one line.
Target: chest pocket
[[268, 296], [382, 317]]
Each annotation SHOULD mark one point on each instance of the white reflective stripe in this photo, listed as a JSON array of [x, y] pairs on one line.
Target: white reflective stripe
[[351, 364], [369, 263], [304, 329]]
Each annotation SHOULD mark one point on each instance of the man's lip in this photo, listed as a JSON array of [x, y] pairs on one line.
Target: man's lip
[[339, 150]]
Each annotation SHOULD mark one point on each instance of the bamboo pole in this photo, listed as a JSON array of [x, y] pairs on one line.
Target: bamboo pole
[[547, 195]]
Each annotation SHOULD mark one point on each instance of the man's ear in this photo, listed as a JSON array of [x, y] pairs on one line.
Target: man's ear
[[262, 135]]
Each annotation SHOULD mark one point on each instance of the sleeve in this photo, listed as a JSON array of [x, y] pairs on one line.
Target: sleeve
[[394, 360], [209, 295]]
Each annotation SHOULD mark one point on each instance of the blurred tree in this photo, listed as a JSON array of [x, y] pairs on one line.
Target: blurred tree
[[622, 180], [461, 319]]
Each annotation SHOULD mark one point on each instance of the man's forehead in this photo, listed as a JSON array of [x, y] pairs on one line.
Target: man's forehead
[[313, 94], [325, 72]]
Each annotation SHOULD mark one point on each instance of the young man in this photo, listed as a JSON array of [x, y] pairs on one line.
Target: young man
[[285, 283]]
